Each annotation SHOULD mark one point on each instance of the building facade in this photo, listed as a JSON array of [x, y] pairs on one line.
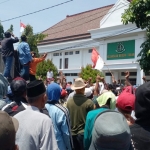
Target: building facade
[[117, 44]]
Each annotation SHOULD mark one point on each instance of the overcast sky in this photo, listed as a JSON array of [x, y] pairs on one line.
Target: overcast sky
[[45, 19]]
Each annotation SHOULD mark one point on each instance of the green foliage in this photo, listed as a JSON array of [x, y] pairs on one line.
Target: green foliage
[[11, 29], [139, 13], [44, 66], [88, 72], [1, 31], [33, 39]]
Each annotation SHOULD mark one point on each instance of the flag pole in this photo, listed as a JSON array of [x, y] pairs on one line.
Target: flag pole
[[20, 27]]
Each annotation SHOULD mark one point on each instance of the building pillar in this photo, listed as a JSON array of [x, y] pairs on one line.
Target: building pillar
[[116, 75], [139, 79], [62, 61], [81, 58], [108, 79]]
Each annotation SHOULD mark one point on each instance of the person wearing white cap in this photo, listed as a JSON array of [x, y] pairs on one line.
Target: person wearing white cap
[[78, 105]]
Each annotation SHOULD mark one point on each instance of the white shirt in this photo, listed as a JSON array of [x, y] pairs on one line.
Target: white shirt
[[35, 130], [50, 74]]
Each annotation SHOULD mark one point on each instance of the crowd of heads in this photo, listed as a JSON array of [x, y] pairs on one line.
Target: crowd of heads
[[123, 107]]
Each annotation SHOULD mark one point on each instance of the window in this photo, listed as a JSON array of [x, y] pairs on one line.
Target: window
[[60, 63], [67, 74], [131, 73], [66, 53], [71, 74], [74, 74], [55, 54], [108, 74], [60, 54], [70, 53], [66, 63], [77, 52], [90, 50]]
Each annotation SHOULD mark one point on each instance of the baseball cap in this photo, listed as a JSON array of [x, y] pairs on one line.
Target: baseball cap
[[8, 129], [111, 132], [126, 101], [63, 93]]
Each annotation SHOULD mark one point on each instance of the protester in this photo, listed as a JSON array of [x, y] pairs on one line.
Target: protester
[[8, 52], [140, 131], [8, 129], [33, 65], [111, 131], [125, 105], [49, 75], [78, 107], [24, 57], [18, 88], [35, 129], [105, 97], [3, 90], [60, 117], [106, 102]]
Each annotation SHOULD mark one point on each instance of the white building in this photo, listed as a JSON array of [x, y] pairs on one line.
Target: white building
[[70, 42]]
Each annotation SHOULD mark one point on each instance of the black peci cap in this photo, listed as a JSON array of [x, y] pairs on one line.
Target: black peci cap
[[35, 88]]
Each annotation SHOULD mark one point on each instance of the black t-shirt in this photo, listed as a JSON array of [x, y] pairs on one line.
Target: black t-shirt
[[7, 46], [140, 135]]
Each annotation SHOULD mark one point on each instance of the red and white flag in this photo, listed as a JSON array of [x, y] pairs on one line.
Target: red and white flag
[[98, 62], [22, 27]]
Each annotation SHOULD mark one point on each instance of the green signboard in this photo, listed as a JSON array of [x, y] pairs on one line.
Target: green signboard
[[121, 50]]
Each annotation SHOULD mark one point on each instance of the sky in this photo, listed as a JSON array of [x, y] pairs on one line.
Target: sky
[[44, 19]]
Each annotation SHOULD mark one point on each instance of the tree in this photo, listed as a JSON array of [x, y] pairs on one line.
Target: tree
[[88, 72], [139, 13], [44, 66], [33, 39], [1, 31], [11, 29]]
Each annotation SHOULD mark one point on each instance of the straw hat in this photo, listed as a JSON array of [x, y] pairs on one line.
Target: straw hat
[[78, 84]]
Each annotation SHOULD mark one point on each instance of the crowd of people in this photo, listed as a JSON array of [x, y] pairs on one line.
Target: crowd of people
[[61, 115]]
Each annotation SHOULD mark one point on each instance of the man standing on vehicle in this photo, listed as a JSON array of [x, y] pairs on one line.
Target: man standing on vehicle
[[8, 52]]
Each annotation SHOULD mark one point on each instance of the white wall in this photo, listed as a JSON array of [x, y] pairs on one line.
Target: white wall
[[113, 17]]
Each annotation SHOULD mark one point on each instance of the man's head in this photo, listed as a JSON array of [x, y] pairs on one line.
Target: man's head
[[107, 98], [23, 38], [78, 86], [18, 87], [7, 34], [33, 54], [111, 131], [8, 129], [142, 102], [36, 93]]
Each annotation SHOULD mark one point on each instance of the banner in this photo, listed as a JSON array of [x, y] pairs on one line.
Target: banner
[[121, 50]]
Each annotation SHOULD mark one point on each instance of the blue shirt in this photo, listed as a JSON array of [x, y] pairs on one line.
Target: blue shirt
[[24, 53], [60, 127], [90, 119]]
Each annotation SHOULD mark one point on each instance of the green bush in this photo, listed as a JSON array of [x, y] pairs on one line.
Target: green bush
[[88, 72], [44, 66]]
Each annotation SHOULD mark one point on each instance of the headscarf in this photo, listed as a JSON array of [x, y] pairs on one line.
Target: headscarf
[[53, 92], [102, 99]]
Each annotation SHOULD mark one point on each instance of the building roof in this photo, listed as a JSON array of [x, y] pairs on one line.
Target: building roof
[[75, 27]]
